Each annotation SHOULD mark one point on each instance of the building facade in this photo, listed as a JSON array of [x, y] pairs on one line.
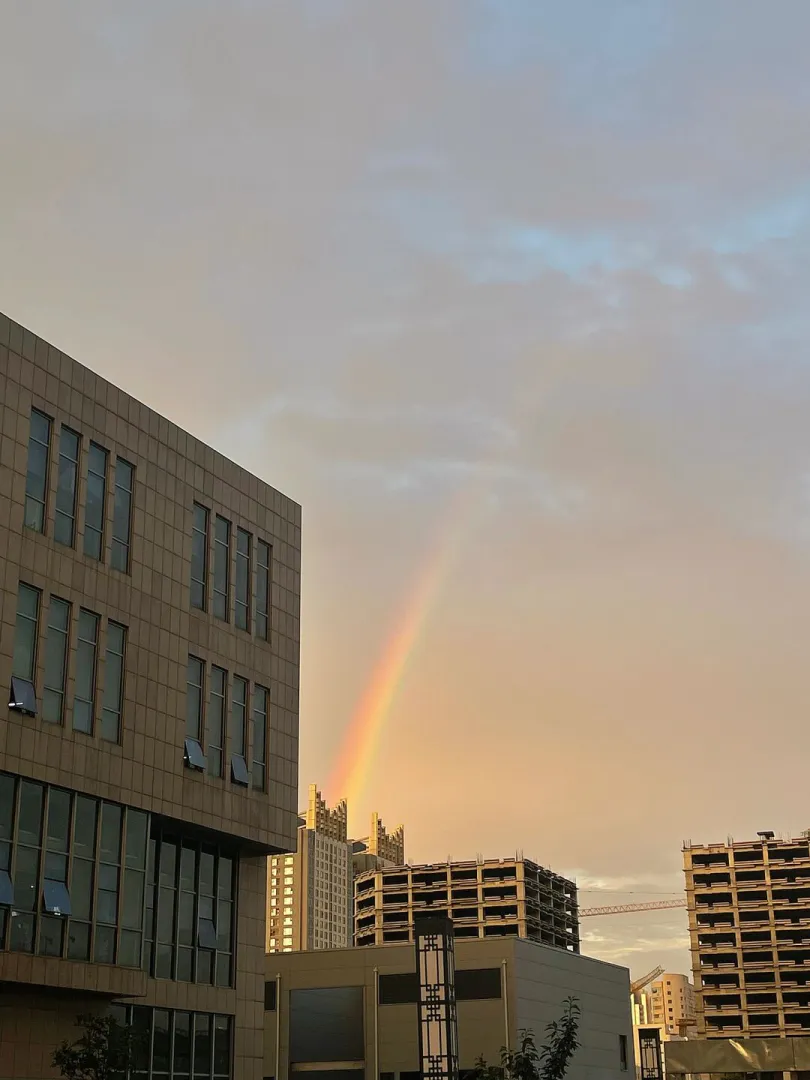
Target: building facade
[[487, 898], [671, 1004], [149, 641], [749, 925], [354, 1012], [309, 892]]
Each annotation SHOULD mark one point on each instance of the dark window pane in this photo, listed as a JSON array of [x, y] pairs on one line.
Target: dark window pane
[[107, 906], [58, 819], [94, 512], [133, 906], [194, 698], [399, 989], [206, 873], [55, 897], [161, 1044], [327, 1024], [223, 973], [182, 1044], [168, 863], [51, 935], [81, 888], [84, 830], [225, 878], [242, 605], [56, 866], [137, 823], [202, 1045], [6, 806], [270, 995], [165, 923], [56, 643], [238, 716], [26, 878], [188, 862], [222, 1046], [164, 955], [29, 826], [65, 518], [478, 984], [22, 932], [104, 947], [25, 634], [260, 700], [205, 967], [185, 919], [113, 683], [85, 690], [78, 940], [199, 557], [185, 965], [224, 916], [222, 556], [36, 479], [119, 555], [262, 589], [216, 720], [110, 833], [5, 856]]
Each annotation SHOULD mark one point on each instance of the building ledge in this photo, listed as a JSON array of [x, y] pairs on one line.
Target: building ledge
[[107, 980]]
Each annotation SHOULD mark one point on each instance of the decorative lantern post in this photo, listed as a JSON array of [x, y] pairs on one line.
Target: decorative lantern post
[[438, 1025]]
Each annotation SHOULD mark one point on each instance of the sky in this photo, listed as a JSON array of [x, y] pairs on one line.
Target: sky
[[511, 296]]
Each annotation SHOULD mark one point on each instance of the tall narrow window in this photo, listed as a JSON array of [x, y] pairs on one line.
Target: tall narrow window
[[222, 560], [199, 557], [260, 702], [194, 698], [122, 516], [239, 772], [36, 478], [64, 526], [113, 703], [216, 721], [26, 633], [85, 694], [263, 552], [94, 512], [242, 603], [56, 644]]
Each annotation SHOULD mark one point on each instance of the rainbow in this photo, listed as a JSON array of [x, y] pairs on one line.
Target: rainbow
[[362, 737]]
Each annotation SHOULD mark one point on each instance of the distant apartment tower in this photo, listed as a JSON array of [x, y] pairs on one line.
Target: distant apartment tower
[[749, 924], [671, 1004], [485, 898], [308, 893]]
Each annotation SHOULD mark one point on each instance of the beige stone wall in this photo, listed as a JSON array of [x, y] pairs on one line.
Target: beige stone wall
[[32, 1026], [172, 470]]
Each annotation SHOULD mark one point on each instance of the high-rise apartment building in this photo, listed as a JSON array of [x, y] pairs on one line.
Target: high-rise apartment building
[[149, 639], [749, 924], [671, 1005], [308, 893], [487, 898]]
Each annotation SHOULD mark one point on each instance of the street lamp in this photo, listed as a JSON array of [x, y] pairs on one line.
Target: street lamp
[[438, 1025]]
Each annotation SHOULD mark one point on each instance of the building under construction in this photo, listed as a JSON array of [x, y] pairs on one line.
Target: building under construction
[[484, 898], [749, 924]]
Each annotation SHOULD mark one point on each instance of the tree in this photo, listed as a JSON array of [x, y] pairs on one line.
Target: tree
[[550, 1062], [103, 1052]]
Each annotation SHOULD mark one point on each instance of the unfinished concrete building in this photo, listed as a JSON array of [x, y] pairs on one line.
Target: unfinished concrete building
[[484, 898], [749, 925]]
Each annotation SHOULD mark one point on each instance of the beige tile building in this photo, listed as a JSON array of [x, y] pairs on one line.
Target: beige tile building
[[149, 641], [487, 898], [671, 1004], [353, 1012], [749, 925]]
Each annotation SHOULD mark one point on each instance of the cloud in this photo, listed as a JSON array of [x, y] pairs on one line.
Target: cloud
[[553, 256]]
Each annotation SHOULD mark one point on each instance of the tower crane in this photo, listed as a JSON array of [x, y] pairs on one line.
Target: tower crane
[[639, 984], [621, 909]]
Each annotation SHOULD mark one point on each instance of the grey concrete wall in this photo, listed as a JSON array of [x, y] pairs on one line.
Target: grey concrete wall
[[541, 980]]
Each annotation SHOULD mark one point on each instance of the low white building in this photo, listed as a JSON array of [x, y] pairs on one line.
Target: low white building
[[354, 1010]]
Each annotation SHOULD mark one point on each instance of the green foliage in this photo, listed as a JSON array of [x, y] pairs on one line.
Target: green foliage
[[550, 1062], [103, 1052]]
